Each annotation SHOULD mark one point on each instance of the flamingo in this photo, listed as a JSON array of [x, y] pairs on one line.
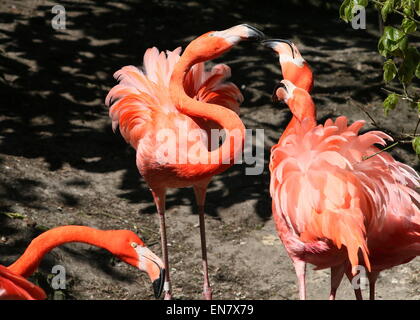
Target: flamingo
[[166, 112], [297, 70], [124, 244], [337, 199]]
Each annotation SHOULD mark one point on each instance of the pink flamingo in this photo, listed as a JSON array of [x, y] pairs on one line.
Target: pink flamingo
[[337, 198], [297, 70], [124, 244], [166, 112]]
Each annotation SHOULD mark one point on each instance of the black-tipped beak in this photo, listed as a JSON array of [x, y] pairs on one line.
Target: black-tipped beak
[[158, 284], [272, 43], [254, 33]]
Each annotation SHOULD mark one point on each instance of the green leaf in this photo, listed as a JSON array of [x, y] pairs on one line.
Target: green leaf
[[416, 145], [348, 11], [387, 9], [362, 3], [383, 46], [402, 46], [418, 107], [393, 41], [418, 71], [393, 34], [390, 70], [409, 66], [343, 8], [390, 102], [408, 26], [417, 7]]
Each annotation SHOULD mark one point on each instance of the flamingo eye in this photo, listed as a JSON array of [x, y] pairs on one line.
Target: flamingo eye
[[134, 245]]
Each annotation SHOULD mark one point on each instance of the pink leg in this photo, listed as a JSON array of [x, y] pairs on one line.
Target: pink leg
[[357, 292], [200, 194], [300, 269], [337, 274], [159, 197]]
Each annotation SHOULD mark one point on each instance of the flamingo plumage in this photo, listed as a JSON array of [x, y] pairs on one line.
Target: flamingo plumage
[[297, 70], [174, 103], [15, 287], [337, 198], [124, 244]]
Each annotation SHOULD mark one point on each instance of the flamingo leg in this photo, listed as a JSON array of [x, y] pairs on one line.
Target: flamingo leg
[[159, 197], [372, 276], [200, 194], [300, 269], [357, 292], [337, 273]]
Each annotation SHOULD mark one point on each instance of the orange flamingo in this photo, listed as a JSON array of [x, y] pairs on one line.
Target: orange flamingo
[[166, 113], [337, 198], [124, 244]]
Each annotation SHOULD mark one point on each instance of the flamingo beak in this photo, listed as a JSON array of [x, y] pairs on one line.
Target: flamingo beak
[[273, 43], [253, 33], [158, 284], [240, 32], [153, 266]]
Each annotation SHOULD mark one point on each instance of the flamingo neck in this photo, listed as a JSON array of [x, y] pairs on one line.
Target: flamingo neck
[[300, 75], [44, 243], [226, 118], [289, 129], [300, 112]]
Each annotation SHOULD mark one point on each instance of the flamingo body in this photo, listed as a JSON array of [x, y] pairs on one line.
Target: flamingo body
[[144, 108], [338, 198], [175, 97]]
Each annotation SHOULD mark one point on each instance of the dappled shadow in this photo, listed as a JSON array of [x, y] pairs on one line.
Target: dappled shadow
[[53, 83]]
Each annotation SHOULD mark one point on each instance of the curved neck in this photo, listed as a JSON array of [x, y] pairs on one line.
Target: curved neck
[[226, 118], [301, 109], [301, 76], [41, 245]]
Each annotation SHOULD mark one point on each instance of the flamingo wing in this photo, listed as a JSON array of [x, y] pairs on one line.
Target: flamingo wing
[[329, 182], [141, 94], [315, 189]]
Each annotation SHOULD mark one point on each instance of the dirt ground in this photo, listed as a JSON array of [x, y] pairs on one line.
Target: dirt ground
[[60, 162]]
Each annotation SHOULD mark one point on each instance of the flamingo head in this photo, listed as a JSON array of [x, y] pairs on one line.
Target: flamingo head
[[297, 99], [286, 50], [283, 91], [214, 43], [293, 66], [128, 247]]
